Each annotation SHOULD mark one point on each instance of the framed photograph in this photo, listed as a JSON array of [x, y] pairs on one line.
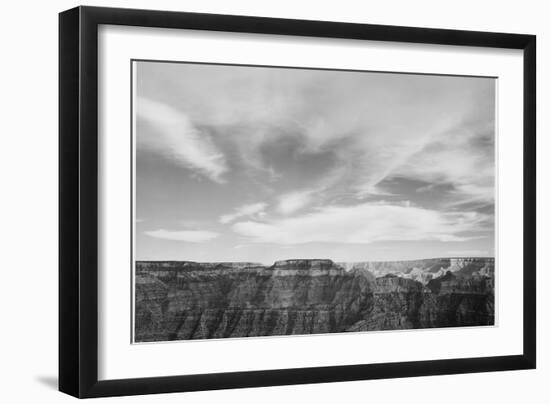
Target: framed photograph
[[251, 201]]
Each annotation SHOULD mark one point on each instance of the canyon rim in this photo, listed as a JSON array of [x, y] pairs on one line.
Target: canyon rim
[[187, 300], [276, 201]]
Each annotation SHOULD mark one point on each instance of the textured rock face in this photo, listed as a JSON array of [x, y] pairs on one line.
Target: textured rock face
[[187, 300], [425, 270]]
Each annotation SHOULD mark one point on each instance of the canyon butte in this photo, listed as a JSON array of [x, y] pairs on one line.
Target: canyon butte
[[181, 300]]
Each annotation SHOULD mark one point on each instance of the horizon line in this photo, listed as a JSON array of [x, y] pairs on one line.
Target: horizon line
[[317, 259]]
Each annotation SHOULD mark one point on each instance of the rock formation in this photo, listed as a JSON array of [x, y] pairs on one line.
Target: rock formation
[[178, 300]]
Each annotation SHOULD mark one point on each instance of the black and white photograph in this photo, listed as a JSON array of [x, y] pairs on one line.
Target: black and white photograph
[[273, 201]]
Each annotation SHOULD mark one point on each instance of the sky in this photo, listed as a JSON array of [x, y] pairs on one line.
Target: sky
[[240, 163]]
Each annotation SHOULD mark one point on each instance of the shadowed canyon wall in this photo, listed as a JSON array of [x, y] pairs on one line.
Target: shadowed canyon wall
[[178, 300]]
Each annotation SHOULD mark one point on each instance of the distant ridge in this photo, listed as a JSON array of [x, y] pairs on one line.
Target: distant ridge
[[314, 259]]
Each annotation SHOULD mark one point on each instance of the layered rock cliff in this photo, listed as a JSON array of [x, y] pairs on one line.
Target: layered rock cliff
[[188, 300]]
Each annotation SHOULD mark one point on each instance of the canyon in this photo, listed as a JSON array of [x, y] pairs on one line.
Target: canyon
[[182, 300]]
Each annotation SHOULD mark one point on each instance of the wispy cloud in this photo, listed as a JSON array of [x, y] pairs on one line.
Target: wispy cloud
[[177, 137], [294, 201], [250, 210], [191, 236], [365, 223], [462, 157]]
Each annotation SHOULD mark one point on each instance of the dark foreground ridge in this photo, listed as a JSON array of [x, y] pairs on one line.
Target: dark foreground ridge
[[179, 300]]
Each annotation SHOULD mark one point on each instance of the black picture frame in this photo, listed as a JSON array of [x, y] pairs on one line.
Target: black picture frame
[[78, 201]]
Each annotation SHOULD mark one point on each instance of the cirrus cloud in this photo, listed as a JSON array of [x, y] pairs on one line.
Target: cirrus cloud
[[190, 236], [178, 138], [294, 201], [365, 223], [253, 209]]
